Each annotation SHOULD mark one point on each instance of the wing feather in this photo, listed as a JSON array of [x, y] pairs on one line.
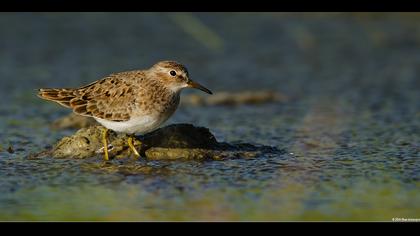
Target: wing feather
[[110, 98]]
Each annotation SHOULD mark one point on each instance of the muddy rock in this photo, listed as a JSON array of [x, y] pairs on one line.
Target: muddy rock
[[73, 121], [173, 142], [235, 98]]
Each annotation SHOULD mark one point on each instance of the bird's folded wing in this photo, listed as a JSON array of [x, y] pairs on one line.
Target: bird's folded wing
[[111, 98]]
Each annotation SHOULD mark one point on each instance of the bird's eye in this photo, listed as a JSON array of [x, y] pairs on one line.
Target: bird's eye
[[173, 73]]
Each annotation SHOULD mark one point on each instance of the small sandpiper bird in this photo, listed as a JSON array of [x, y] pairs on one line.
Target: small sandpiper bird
[[130, 102]]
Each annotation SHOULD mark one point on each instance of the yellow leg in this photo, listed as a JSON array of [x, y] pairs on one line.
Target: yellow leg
[[130, 144], [105, 142]]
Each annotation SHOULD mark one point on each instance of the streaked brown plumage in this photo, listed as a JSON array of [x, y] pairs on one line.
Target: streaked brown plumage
[[116, 97]]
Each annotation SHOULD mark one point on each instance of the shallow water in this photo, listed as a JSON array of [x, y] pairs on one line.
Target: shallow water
[[349, 133]]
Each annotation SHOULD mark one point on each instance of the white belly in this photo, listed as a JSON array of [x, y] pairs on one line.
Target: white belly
[[141, 125]]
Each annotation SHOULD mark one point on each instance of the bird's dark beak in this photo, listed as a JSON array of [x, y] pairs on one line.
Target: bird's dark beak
[[196, 85]]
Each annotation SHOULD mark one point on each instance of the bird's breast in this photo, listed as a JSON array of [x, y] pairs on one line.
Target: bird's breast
[[156, 99]]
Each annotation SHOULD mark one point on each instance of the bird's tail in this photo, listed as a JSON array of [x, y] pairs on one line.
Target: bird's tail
[[60, 95]]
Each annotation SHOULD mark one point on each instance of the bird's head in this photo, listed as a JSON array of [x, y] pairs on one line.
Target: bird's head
[[175, 76]]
